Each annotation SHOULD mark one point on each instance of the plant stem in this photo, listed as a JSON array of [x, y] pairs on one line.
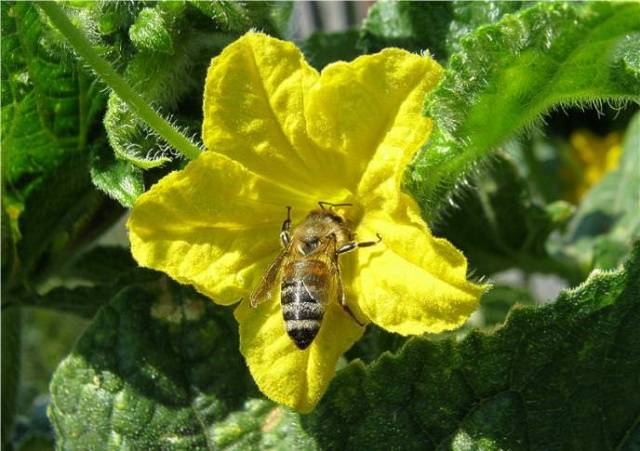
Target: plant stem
[[119, 85]]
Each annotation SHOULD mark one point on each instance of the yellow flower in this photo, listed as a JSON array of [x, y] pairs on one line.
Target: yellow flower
[[280, 134], [591, 157]]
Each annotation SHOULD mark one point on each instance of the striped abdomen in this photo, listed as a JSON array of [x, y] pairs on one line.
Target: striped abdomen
[[303, 293]]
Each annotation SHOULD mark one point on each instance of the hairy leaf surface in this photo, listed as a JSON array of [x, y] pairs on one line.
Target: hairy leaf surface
[[153, 371], [173, 45], [50, 111], [118, 178], [414, 26], [563, 376], [508, 74], [436, 27], [48, 106], [565, 366], [262, 424]]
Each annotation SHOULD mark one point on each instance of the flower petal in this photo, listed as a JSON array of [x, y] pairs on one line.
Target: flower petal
[[412, 282], [286, 374], [372, 106], [254, 113], [212, 225]]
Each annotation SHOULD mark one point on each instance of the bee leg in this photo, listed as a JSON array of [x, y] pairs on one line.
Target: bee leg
[[346, 308], [343, 299], [285, 237], [353, 245], [323, 204]]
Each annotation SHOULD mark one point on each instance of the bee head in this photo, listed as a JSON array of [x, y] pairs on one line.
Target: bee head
[[326, 215]]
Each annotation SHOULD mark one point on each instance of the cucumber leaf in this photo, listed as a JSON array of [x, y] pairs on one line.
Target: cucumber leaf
[[507, 75], [567, 366], [163, 51], [50, 115], [262, 424], [414, 26], [436, 27], [118, 178], [155, 370], [90, 282]]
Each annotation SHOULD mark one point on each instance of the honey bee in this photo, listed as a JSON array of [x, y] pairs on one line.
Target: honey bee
[[309, 270]]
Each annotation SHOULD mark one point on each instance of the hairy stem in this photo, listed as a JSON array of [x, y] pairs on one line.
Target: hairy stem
[[119, 85]]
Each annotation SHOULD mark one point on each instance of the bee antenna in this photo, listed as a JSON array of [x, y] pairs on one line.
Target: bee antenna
[[322, 204]]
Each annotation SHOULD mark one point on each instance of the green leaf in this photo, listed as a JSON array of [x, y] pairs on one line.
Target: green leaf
[[496, 303], [240, 17], [163, 51], [414, 26], [119, 179], [434, 26], [261, 424], [321, 49], [28, 150], [83, 301], [509, 74], [48, 107], [131, 139], [373, 343], [50, 113], [59, 213], [150, 33], [468, 16], [102, 265], [498, 225], [230, 16], [164, 79], [563, 376], [548, 370], [90, 282], [112, 19], [153, 371], [608, 218]]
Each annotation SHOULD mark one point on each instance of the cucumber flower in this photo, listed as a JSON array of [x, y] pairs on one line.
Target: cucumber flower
[[589, 159], [279, 134]]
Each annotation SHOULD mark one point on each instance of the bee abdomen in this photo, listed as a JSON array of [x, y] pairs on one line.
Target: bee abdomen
[[302, 331], [302, 310], [302, 314]]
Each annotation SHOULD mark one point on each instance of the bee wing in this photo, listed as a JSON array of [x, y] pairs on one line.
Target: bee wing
[[330, 258], [338, 281], [264, 290]]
